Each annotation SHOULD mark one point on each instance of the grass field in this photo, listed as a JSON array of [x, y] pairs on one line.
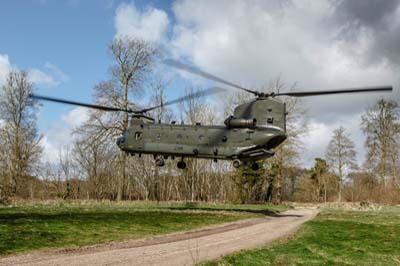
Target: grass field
[[39, 226], [335, 237]]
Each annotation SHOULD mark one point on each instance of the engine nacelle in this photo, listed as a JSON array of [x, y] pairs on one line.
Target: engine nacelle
[[233, 122]]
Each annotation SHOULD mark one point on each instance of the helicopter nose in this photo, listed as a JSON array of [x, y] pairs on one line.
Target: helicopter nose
[[276, 140], [270, 137]]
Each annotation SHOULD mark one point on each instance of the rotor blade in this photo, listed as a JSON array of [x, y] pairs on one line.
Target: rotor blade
[[94, 106], [351, 90], [203, 93], [206, 75]]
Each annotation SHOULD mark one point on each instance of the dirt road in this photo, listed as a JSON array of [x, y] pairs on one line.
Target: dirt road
[[176, 249]]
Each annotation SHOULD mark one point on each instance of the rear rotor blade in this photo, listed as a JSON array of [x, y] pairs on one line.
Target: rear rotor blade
[[198, 94], [351, 90], [93, 106], [206, 75]]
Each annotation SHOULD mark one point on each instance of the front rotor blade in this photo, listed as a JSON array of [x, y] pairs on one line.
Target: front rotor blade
[[93, 106], [206, 75], [351, 90], [198, 94]]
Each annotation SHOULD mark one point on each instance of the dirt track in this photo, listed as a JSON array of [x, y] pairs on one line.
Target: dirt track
[[176, 249]]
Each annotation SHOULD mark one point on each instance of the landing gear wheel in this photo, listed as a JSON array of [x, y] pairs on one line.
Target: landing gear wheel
[[236, 163], [255, 166], [181, 165], [160, 161]]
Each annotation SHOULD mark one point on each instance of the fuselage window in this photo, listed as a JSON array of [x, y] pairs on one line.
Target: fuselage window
[[201, 137], [138, 135], [224, 139], [179, 137]]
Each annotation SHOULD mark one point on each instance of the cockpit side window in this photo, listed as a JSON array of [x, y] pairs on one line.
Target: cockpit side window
[[138, 135]]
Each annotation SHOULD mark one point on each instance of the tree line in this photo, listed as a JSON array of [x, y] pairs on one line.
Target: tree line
[[93, 167]]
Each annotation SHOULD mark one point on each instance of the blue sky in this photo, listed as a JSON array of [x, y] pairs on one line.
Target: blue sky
[[70, 35], [317, 44]]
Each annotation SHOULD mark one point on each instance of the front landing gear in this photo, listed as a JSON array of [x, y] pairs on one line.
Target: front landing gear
[[181, 165]]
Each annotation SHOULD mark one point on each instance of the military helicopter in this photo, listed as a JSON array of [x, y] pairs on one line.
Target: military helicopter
[[251, 133]]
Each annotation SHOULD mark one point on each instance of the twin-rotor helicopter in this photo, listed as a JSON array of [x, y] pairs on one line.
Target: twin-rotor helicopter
[[252, 133]]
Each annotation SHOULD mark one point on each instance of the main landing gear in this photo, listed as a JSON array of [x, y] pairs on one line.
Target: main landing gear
[[160, 161], [181, 165], [237, 163]]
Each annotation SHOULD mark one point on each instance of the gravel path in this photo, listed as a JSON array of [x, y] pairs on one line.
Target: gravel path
[[185, 248]]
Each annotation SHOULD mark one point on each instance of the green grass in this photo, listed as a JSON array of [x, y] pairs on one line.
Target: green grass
[[335, 237], [40, 226]]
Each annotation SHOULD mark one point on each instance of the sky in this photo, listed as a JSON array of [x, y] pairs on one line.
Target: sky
[[316, 45]]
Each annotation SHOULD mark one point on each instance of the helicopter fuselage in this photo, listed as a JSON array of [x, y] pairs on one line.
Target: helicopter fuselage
[[252, 133], [211, 142]]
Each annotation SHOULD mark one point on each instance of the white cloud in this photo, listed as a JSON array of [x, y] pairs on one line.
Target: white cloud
[[41, 78], [53, 140], [320, 134], [50, 76], [76, 117], [150, 25], [60, 134], [5, 67], [254, 42], [57, 72]]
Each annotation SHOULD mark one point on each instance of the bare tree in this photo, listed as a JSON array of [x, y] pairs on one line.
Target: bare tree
[[158, 97], [341, 156], [381, 125], [133, 59], [192, 112], [319, 177], [158, 182], [195, 179], [19, 137], [69, 173], [98, 160], [287, 154], [3, 168]]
